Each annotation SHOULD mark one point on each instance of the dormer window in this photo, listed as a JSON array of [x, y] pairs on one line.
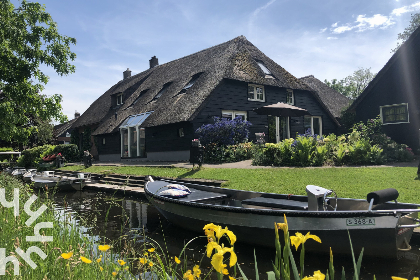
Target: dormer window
[[119, 99], [265, 69], [290, 98], [162, 91], [256, 93], [138, 97], [189, 84]]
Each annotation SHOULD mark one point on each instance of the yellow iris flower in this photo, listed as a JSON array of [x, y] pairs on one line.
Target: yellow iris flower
[[150, 264], [143, 260], [121, 262], [217, 259], [114, 273], [85, 260], [177, 260], [104, 248], [99, 260], [151, 250], [300, 239], [188, 275], [212, 230], [197, 271], [317, 276], [399, 278], [283, 226], [101, 268], [67, 256], [231, 278]]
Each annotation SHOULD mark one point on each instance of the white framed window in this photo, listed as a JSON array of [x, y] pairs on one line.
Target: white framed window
[[230, 114], [394, 114], [314, 123], [256, 93], [133, 136], [290, 97], [68, 134], [119, 99]]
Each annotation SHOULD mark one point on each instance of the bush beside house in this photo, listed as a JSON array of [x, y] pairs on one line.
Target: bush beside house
[[33, 157]]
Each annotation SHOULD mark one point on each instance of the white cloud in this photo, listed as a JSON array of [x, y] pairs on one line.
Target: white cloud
[[406, 9], [377, 20], [334, 24], [341, 29], [256, 12], [332, 38], [323, 30]]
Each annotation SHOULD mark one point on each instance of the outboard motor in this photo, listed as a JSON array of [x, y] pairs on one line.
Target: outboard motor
[[317, 200]]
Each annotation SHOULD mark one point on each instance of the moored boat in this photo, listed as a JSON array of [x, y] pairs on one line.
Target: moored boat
[[47, 180], [380, 224]]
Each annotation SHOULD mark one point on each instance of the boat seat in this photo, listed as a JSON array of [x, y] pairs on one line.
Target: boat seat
[[276, 203], [195, 195]]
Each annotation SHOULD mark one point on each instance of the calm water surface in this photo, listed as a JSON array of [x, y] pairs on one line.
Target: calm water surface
[[104, 215]]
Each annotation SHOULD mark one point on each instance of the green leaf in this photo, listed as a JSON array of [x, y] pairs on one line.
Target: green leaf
[[271, 275], [242, 273]]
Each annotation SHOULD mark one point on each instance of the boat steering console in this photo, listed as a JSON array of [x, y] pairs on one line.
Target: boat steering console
[[318, 198]]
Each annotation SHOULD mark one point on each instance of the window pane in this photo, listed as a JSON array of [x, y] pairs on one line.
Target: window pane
[[317, 126], [242, 115], [307, 123], [142, 142], [133, 144], [125, 142], [227, 115]]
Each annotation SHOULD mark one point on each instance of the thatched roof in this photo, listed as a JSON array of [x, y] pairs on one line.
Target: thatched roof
[[61, 128], [236, 59], [333, 100]]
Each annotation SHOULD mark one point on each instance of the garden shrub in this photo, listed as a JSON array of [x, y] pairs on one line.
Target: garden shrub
[[6, 157], [224, 132], [231, 153], [32, 157], [69, 151]]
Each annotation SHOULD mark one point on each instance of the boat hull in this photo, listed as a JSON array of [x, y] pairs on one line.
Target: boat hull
[[379, 237], [58, 183]]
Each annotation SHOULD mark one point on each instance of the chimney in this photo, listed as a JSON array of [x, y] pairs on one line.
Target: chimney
[[127, 74], [76, 114], [153, 62]]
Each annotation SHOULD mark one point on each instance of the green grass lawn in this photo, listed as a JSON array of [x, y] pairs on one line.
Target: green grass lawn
[[348, 182]]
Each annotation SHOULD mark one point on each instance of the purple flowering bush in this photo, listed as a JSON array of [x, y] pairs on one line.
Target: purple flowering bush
[[225, 140]]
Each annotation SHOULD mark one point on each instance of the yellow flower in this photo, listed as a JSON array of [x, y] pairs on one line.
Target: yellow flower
[[99, 260], [210, 246], [104, 248], [150, 264], [217, 259], [121, 262], [67, 256], [300, 238], [188, 275], [399, 278], [145, 254], [283, 226], [151, 250], [101, 268], [197, 271], [231, 278], [317, 276], [225, 271], [114, 273], [177, 260], [143, 260], [85, 260]]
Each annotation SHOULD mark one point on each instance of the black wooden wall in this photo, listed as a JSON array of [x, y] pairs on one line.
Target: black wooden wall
[[233, 95], [398, 82]]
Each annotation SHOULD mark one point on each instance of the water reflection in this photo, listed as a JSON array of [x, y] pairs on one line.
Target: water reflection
[[115, 216]]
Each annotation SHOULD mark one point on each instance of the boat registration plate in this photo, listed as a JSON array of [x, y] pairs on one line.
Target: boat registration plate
[[360, 222]]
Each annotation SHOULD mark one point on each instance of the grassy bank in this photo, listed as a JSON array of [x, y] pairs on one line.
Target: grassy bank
[[348, 182], [69, 255]]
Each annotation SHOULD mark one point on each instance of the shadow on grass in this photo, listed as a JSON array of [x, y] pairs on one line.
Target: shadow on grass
[[189, 173]]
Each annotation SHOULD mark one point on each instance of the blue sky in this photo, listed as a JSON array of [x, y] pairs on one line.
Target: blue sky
[[325, 38]]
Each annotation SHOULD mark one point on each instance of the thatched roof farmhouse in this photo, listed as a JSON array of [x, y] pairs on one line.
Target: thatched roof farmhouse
[[153, 115]]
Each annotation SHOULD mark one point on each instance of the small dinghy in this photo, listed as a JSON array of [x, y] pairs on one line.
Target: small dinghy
[[379, 224], [47, 180]]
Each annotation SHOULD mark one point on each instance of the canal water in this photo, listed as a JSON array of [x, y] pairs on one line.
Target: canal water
[[113, 216]]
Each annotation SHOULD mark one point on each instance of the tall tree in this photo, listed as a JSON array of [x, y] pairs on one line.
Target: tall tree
[[403, 36], [353, 85], [28, 39]]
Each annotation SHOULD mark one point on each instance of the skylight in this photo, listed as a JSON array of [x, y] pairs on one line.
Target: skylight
[[134, 120], [263, 68], [162, 91], [189, 84], [138, 97]]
